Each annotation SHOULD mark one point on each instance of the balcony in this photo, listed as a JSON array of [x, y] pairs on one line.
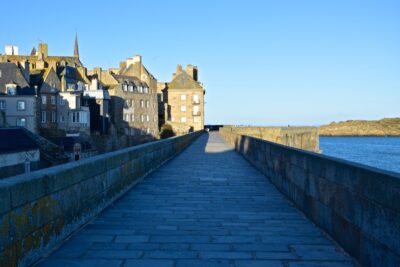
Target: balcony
[[196, 102]]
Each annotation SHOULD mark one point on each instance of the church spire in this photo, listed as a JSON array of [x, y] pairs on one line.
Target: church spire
[[76, 50]]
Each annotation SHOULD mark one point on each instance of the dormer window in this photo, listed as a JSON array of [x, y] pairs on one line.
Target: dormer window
[[11, 89]]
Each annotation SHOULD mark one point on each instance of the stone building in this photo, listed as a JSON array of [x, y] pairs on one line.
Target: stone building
[[18, 101], [59, 82], [181, 101], [97, 98], [133, 92]]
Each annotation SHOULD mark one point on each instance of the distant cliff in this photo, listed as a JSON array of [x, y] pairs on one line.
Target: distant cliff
[[384, 127]]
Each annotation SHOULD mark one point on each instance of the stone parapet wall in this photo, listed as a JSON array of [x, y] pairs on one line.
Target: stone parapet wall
[[306, 138], [39, 211], [357, 205]]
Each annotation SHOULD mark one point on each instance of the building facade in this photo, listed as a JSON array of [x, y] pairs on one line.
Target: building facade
[[182, 100], [133, 93], [18, 101]]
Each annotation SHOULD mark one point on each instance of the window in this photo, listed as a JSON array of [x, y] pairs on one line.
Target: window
[[196, 98], [62, 101], [78, 102], [131, 103], [126, 117], [2, 104], [125, 87], [147, 118], [147, 103], [83, 117], [0, 73], [142, 118], [11, 90], [140, 89], [126, 104], [62, 119], [195, 119], [53, 100], [132, 117], [148, 130], [183, 119], [44, 100], [21, 122], [141, 103], [53, 116], [131, 88], [43, 117], [146, 90], [21, 105], [183, 97], [75, 116], [183, 108]]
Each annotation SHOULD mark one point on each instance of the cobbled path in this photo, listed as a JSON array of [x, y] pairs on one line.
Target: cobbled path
[[206, 207]]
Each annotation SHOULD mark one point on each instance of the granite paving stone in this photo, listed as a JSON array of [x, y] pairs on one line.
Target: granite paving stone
[[206, 207]]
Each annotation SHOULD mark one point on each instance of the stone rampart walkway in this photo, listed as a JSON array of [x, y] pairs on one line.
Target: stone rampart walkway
[[206, 207]]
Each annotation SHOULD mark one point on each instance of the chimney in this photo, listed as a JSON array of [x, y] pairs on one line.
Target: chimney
[[98, 71], [25, 70], [178, 69], [43, 50], [11, 50], [192, 71]]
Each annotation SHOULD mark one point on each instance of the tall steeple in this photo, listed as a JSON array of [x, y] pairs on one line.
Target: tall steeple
[[76, 50]]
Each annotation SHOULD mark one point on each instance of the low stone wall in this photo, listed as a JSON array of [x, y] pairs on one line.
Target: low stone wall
[[357, 205], [300, 137], [39, 211]]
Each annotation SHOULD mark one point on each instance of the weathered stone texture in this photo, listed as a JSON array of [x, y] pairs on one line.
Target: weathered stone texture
[[357, 205], [40, 210], [306, 138]]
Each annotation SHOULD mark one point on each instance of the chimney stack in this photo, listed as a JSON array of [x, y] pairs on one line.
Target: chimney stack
[[43, 50], [192, 71]]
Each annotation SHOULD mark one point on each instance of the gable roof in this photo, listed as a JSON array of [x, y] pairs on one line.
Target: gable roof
[[11, 72], [129, 80], [71, 73], [184, 81], [15, 140]]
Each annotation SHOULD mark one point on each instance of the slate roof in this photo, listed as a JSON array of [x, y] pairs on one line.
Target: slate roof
[[129, 80], [184, 81], [11, 72], [71, 73], [15, 140]]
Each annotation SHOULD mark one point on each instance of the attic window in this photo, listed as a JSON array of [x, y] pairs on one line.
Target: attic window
[[11, 89]]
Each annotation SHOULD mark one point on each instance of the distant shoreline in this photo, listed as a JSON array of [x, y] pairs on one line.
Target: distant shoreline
[[372, 128]]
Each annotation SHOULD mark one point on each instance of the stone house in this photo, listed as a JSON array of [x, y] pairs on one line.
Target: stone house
[[182, 100], [97, 98], [18, 101], [134, 109], [74, 114]]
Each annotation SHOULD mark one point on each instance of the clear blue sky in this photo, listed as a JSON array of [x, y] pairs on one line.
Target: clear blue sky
[[262, 62]]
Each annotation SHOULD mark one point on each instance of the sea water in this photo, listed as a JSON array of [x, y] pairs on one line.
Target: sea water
[[379, 152]]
